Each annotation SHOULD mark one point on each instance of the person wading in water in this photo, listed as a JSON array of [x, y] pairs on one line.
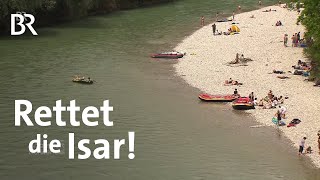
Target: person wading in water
[[202, 20]]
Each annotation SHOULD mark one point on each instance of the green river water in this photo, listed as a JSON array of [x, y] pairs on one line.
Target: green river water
[[177, 137]]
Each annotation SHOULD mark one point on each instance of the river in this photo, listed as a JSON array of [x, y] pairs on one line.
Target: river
[[177, 137]]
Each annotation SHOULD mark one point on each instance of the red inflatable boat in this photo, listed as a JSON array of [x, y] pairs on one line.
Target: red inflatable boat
[[243, 103], [217, 98]]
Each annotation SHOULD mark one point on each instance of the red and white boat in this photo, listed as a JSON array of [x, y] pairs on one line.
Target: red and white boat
[[243, 103], [218, 98], [171, 55]]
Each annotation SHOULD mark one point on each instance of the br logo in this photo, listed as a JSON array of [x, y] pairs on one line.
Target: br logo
[[21, 19]]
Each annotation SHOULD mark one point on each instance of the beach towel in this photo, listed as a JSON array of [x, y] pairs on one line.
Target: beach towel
[[294, 122]]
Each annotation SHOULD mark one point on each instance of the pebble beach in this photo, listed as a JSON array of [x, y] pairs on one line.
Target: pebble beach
[[206, 67]]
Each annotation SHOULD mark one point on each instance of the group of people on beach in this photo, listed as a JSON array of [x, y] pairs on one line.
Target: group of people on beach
[[295, 39], [271, 101], [281, 114]]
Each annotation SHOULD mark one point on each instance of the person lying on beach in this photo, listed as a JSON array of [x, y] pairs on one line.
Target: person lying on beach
[[261, 102], [252, 16], [267, 105], [283, 77], [218, 33], [226, 33], [278, 72], [300, 67], [269, 10], [227, 83], [317, 83]]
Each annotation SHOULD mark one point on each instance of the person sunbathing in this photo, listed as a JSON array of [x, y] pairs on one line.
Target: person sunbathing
[[261, 102], [231, 82], [267, 105], [278, 72], [226, 33], [283, 77], [236, 61]]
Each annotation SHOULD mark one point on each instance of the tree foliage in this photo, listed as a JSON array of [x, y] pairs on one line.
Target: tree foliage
[[310, 18], [51, 11]]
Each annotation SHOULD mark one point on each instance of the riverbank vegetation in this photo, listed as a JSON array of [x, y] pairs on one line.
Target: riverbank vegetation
[[48, 12], [310, 18]]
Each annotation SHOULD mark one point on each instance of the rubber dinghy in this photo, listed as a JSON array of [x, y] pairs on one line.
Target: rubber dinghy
[[83, 81], [218, 98], [243, 103], [169, 55]]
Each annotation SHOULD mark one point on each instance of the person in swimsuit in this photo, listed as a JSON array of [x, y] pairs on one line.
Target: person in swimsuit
[[202, 20]]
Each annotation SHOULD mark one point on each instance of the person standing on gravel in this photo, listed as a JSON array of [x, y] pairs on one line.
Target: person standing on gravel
[[214, 27], [301, 146]]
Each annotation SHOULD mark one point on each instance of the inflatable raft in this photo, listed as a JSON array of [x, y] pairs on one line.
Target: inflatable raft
[[170, 55], [217, 98], [243, 103]]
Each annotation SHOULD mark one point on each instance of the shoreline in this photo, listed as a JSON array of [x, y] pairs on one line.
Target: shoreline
[[205, 67]]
